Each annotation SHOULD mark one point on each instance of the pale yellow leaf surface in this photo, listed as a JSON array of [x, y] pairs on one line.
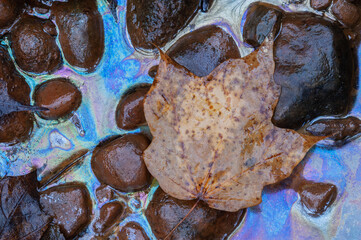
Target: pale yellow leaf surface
[[213, 138]]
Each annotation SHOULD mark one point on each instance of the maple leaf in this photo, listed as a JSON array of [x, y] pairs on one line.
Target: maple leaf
[[213, 138], [21, 216]]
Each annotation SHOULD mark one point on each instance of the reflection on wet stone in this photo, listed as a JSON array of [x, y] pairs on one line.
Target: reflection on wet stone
[[315, 68]]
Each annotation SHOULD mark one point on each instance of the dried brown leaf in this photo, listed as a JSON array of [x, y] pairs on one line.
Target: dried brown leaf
[[213, 136], [20, 214]]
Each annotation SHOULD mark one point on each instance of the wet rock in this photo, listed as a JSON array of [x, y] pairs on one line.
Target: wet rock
[[320, 4], [70, 207], [104, 194], [345, 12], [81, 32], [9, 11], [119, 163], [41, 3], [109, 214], [130, 112], [165, 212], [15, 126], [153, 71], [357, 2], [315, 68], [338, 129], [261, 20], [157, 21], [59, 95], [132, 231], [317, 197], [53, 232], [34, 46], [204, 49]]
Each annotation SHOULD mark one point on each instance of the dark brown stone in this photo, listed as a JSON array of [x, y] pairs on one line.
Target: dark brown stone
[[59, 95], [104, 193], [34, 49], [81, 32], [119, 163], [345, 12], [9, 11], [130, 112], [15, 126], [70, 207], [338, 129], [153, 71], [41, 3], [165, 212], [261, 20], [53, 233], [320, 4], [132, 231], [317, 197], [109, 214], [157, 21], [314, 65], [357, 2], [202, 50]]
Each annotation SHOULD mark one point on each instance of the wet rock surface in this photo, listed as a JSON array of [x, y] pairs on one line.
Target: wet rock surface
[[337, 129], [157, 21], [130, 112], [53, 233], [9, 11], [320, 4], [347, 13], [153, 71], [34, 46], [104, 193], [132, 231], [314, 66], [59, 96], [261, 20], [81, 32], [204, 49], [317, 197], [41, 3], [119, 163], [165, 212], [15, 126], [70, 207], [109, 214]]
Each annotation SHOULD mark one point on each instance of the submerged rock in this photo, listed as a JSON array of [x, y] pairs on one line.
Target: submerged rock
[[315, 68], [119, 163], [81, 32], [202, 50], [70, 207], [157, 21], [59, 96], [261, 20], [34, 45], [165, 212]]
